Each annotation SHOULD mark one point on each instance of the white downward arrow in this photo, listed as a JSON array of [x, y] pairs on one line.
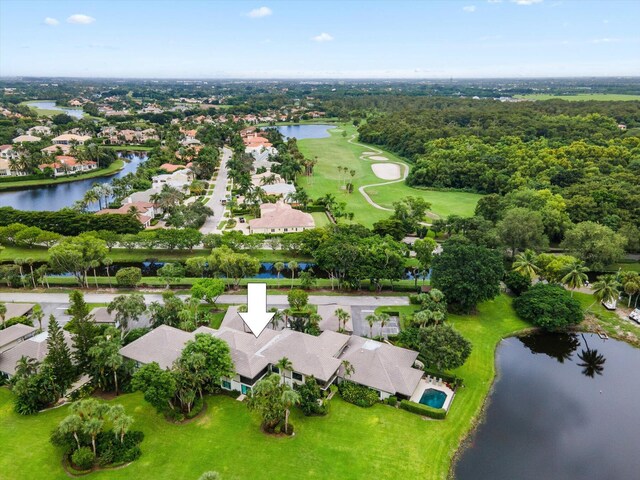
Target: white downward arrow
[[256, 316]]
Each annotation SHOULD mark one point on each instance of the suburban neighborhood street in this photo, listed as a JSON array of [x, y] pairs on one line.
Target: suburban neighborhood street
[[219, 193], [348, 300]]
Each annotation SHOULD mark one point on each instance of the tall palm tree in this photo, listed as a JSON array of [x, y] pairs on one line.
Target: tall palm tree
[[277, 317], [120, 421], [631, 287], [37, 314], [293, 266], [92, 427], [371, 319], [73, 425], [343, 317], [26, 366], [574, 275], [606, 289], [107, 262], [524, 264], [289, 398], [384, 318], [284, 364], [30, 261], [279, 266]]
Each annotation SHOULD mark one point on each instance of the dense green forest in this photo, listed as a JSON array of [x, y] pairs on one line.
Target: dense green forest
[[577, 150]]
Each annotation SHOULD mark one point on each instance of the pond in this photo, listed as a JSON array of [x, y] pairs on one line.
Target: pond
[[305, 131], [61, 195], [565, 407], [48, 105]]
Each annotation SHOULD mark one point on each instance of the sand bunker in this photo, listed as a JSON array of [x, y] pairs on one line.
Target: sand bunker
[[386, 171], [369, 153], [378, 157]]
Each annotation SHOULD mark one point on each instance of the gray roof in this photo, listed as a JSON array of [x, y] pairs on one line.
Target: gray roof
[[309, 355], [330, 320], [162, 345], [13, 333], [382, 366], [102, 315], [18, 309], [34, 347], [244, 348]]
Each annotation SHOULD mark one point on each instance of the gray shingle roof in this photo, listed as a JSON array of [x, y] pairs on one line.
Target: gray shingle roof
[[34, 347], [162, 345], [13, 333], [382, 366]]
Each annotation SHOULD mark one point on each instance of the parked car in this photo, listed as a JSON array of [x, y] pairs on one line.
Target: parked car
[[635, 315]]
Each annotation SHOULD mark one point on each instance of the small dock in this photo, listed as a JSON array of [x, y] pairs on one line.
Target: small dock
[[603, 335]]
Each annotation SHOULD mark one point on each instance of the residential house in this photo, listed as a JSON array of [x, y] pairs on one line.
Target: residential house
[[35, 347], [330, 319], [146, 211], [170, 167], [70, 139], [280, 218], [7, 155], [380, 366], [180, 179], [26, 139], [101, 316], [13, 335], [66, 165], [39, 130], [58, 149]]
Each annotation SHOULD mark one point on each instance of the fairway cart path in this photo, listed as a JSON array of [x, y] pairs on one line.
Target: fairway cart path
[[376, 151], [365, 156]]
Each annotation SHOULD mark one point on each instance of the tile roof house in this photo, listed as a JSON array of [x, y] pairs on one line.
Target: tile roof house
[[65, 165], [170, 167], [26, 139], [280, 218], [7, 154], [70, 138], [39, 130], [146, 211], [58, 149], [380, 366], [11, 336], [35, 347]]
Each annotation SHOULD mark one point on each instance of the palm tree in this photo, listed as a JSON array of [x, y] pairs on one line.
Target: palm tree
[[524, 264], [114, 362], [289, 398], [631, 287], [284, 364], [371, 319], [107, 262], [73, 425], [384, 318], [343, 317], [605, 290], [293, 266], [95, 264], [30, 261], [92, 427], [121, 422], [277, 317], [279, 266], [37, 314], [26, 366], [348, 368], [3, 312], [20, 262], [574, 275]]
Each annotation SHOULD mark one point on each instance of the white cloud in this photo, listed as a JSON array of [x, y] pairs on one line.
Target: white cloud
[[80, 19], [323, 37], [606, 40], [526, 2], [469, 8], [260, 12], [51, 21]]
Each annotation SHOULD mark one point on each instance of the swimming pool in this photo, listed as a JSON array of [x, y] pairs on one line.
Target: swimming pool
[[433, 398]]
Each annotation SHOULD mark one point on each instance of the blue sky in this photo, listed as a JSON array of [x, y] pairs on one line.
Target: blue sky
[[279, 39]]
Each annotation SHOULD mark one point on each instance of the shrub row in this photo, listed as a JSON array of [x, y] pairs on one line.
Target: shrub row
[[424, 410], [358, 394]]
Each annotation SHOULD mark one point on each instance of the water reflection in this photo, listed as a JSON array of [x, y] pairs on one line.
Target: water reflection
[[559, 345]]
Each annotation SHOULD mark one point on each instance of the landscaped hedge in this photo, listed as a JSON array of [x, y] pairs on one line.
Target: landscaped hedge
[[358, 394], [424, 410]]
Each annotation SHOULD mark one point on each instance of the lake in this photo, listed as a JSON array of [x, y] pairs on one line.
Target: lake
[[44, 105], [305, 131], [552, 416], [55, 197]]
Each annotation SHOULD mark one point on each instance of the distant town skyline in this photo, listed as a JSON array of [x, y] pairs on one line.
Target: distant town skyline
[[320, 40]]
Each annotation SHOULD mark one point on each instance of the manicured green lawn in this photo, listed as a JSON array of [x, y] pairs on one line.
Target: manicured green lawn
[[320, 218], [581, 97], [102, 172], [336, 151], [350, 443]]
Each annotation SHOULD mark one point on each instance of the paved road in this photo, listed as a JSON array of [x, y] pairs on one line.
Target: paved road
[[348, 300], [219, 192]]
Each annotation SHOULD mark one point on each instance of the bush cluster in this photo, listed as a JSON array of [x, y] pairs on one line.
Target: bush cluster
[[425, 410], [358, 394]]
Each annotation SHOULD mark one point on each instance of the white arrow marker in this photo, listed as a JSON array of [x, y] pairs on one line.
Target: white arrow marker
[[256, 316]]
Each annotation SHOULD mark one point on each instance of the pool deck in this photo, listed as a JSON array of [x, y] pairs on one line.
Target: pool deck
[[427, 383]]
